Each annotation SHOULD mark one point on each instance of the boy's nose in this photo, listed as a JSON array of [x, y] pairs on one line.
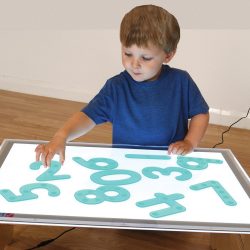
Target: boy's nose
[[136, 63]]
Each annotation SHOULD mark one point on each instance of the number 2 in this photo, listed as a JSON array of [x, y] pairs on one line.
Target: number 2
[[50, 173]]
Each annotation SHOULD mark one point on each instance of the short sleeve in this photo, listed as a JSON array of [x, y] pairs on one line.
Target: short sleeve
[[100, 108], [197, 103]]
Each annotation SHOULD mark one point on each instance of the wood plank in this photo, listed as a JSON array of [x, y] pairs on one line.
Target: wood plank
[[6, 234], [246, 241], [31, 117], [227, 242]]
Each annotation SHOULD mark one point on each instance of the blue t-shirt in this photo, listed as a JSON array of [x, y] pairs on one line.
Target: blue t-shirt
[[153, 113]]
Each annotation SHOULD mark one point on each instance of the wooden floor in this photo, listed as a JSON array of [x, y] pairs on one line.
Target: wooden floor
[[37, 118]]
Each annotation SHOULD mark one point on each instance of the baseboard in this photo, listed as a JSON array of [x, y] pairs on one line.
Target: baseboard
[[41, 88], [228, 117]]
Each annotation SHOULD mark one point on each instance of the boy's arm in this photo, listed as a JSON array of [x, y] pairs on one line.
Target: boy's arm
[[77, 125], [197, 128]]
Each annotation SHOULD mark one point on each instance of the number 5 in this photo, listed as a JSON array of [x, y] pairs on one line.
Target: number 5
[[26, 192]]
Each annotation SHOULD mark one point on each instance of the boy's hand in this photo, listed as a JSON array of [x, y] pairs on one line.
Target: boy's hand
[[180, 147], [45, 152]]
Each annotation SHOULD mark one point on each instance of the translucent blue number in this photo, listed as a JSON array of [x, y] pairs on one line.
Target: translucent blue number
[[147, 157], [218, 188], [160, 198], [195, 163], [27, 194], [98, 177], [50, 173], [97, 163], [100, 195], [184, 173]]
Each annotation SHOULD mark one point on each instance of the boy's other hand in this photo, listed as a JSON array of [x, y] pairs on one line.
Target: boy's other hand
[[180, 147], [46, 152]]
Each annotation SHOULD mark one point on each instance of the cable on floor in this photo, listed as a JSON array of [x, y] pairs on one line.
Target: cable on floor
[[228, 129], [46, 242]]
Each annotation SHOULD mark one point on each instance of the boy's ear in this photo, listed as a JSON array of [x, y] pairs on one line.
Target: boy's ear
[[169, 56]]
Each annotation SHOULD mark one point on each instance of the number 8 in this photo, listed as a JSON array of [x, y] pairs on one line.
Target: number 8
[[101, 196]]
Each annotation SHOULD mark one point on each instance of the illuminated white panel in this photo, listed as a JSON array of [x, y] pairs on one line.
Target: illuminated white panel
[[128, 185]]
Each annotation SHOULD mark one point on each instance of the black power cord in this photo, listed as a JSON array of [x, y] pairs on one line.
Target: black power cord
[[227, 130], [46, 242]]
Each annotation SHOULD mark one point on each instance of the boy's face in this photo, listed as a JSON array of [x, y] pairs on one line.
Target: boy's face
[[144, 63]]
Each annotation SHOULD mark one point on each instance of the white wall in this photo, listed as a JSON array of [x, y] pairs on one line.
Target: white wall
[[67, 49], [218, 60], [64, 64]]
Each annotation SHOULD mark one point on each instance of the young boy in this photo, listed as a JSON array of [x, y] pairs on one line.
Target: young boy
[[149, 103]]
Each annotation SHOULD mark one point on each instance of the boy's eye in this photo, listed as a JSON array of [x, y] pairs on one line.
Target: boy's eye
[[144, 58], [127, 54], [147, 58]]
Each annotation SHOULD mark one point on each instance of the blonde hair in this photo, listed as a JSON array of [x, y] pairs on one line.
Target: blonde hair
[[150, 24]]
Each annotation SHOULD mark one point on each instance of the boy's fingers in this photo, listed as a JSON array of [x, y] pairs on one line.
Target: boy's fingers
[[181, 151], [38, 153], [45, 153], [39, 150], [170, 148], [174, 149], [62, 156], [43, 158], [48, 158]]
